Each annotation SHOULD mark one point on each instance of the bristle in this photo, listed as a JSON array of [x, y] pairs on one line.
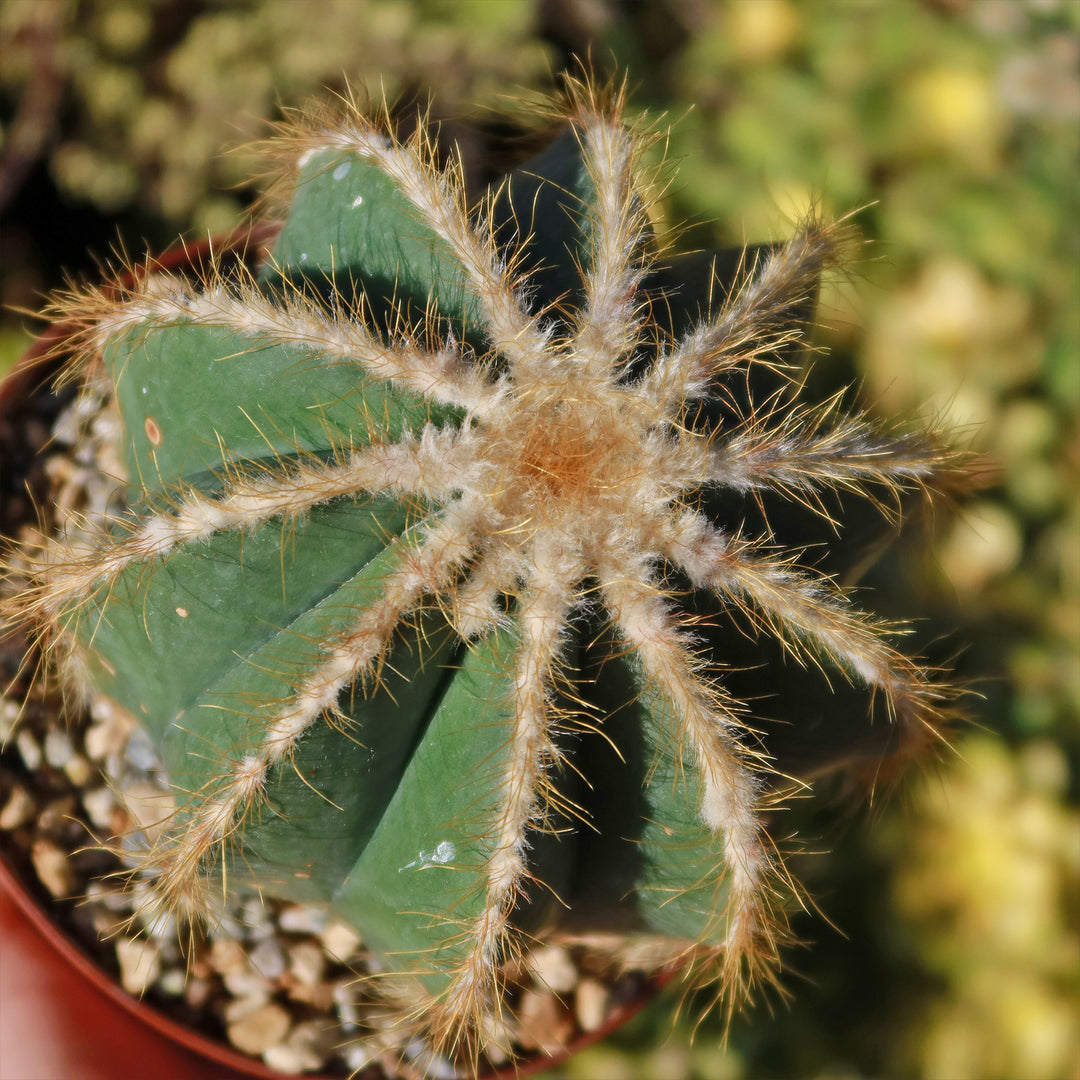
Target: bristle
[[729, 768], [756, 321], [523, 802], [804, 450], [608, 327]]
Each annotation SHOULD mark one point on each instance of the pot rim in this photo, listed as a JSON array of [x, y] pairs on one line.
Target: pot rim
[[37, 912], [68, 946], [34, 369]]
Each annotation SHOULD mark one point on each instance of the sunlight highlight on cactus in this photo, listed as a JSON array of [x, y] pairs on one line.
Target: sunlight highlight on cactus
[[420, 587]]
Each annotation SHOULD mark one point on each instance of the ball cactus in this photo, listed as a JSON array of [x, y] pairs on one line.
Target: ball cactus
[[447, 531]]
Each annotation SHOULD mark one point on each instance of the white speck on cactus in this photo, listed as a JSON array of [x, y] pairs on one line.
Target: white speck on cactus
[[444, 852]]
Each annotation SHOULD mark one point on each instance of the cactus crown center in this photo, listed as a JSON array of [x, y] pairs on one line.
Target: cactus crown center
[[566, 457]]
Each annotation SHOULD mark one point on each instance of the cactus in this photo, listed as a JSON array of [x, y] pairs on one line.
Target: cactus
[[449, 535]]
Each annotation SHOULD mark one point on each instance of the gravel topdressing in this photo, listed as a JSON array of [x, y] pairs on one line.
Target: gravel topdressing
[[282, 982]]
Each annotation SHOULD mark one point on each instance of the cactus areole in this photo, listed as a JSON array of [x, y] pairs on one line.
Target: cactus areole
[[448, 544]]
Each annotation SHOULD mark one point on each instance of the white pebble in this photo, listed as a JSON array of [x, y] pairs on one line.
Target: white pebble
[[259, 1030], [303, 919], [173, 982], [148, 806], [591, 1003], [268, 959], [58, 748], [242, 1006], [227, 956], [545, 1022], [227, 928], [302, 1051], [340, 940], [358, 1056], [29, 750], [52, 867], [110, 898], [157, 922], [141, 752], [248, 984], [346, 1003], [57, 814], [9, 717], [433, 1065], [197, 992], [160, 925], [19, 808], [100, 806], [139, 964], [107, 924], [255, 915], [307, 963], [78, 770], [108, 736], [553, 968]]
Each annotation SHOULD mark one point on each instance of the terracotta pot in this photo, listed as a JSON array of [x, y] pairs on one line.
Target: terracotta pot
[[61, 1014]]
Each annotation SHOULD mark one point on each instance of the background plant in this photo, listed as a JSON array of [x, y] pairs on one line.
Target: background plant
[[960, 119]]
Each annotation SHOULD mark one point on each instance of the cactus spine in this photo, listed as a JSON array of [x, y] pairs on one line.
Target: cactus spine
[[420, 585]]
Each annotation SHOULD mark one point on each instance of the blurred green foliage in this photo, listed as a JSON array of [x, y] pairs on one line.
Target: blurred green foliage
[[136, 118], [955, 124], [153, 91]]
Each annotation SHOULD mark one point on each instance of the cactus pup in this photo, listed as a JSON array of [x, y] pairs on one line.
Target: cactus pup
[[447, 529]]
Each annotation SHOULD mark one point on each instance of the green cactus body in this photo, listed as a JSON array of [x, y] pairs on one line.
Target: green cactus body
[[423, 587]]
